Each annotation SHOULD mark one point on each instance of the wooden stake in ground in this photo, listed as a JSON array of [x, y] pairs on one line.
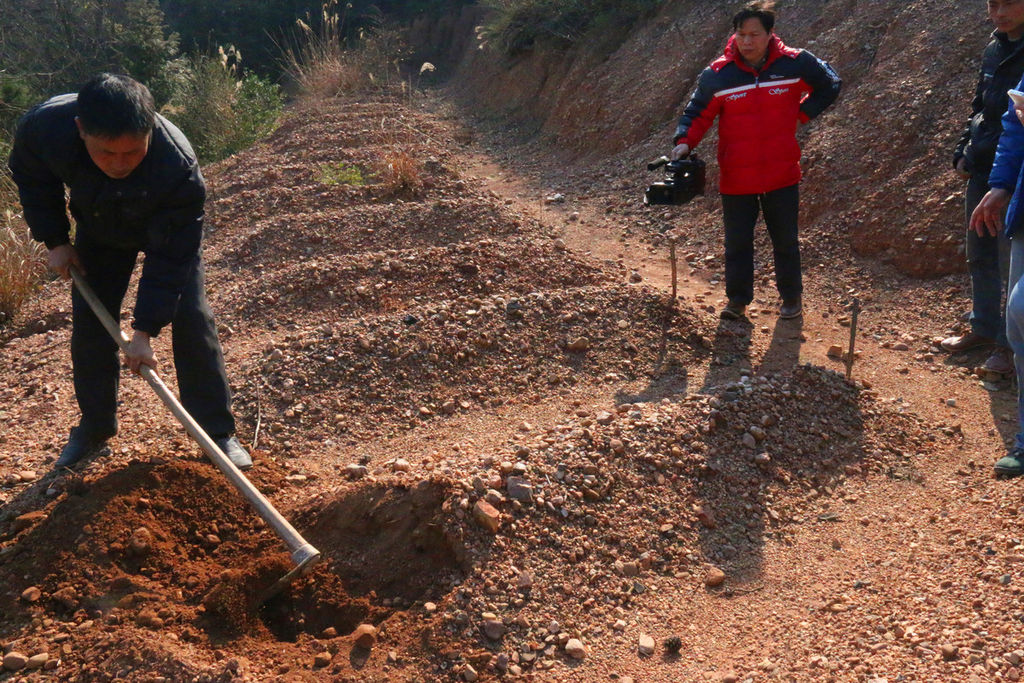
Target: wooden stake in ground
[[672, 260], [854, 313]]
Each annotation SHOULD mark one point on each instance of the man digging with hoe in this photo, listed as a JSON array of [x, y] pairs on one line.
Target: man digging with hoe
[[134, 186]]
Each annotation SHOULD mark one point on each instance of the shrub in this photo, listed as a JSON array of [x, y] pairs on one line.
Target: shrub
[[401, 174], [220, 113], [515, 26], [340, 174], [322, 62]]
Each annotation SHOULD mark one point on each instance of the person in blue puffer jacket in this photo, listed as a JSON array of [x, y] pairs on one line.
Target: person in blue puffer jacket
[[1006, 199]]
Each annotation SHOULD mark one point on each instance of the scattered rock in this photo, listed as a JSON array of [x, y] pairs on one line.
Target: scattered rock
[[15, 661], [574, 648], [714, 578], [365, 636], [31, 594], [141, 541], [486, 516], [322, 659], [645, 645]]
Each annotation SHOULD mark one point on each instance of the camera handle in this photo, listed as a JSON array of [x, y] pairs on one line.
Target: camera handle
[[658, 163]]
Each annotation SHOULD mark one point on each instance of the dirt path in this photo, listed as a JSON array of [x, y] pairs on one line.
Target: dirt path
[[919, 377], [886, 528]]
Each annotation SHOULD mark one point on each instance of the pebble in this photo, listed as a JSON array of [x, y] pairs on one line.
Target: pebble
[[355, 471], [365, 636], [469, 673], [519, 489], [37, 661], [645, 645], [141, 541], [487, 516], [835, 351], [322, 659], [31, 594], [15, 661], [950, 652], [574, 648], [578, 344], [494, 629], [401, 465], [714, 578]]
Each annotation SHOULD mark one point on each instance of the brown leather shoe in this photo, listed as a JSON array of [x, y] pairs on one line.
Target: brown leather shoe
[[1000, 362], [965, 342]]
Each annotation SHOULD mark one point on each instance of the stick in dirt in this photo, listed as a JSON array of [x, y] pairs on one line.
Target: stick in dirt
[[854, 313], [303, 554], [672, 259]]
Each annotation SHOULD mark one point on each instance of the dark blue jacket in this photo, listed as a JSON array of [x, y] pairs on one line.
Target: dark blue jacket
[[1002, 65], [158, 209]]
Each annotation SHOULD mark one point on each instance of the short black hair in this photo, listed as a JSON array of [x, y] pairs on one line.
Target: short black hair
[[112, 105], [763, 11]]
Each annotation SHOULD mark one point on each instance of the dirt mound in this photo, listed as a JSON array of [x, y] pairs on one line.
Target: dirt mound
[[481, 351], [610, 508], [159, 553]]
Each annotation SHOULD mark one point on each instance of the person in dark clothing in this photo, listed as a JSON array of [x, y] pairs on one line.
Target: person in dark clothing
[[988, 256], [759, 90], [134, 186]]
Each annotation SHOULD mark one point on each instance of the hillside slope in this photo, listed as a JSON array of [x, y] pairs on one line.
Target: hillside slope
[[877, 165]]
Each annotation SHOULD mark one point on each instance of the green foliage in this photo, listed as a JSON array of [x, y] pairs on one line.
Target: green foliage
[[515, 26], [56, 46], [219, 113], [340, 174]]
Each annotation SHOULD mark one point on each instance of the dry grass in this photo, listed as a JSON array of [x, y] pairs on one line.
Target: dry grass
[[22, 265], [401, 173], [318, 62]]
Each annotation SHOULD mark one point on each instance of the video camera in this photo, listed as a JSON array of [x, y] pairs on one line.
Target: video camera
[[684, 180]]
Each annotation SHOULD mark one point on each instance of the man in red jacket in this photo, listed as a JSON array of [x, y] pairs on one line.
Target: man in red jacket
[[761, 90]]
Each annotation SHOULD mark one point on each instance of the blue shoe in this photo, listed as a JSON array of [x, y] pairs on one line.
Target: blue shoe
[[238, 456], [81, 446], [1012, 465]]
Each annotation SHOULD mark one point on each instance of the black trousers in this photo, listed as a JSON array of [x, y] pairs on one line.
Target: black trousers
[[198, 358], [781, 212]]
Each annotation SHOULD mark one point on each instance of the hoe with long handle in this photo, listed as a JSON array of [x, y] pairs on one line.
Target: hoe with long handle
[[303, 554]]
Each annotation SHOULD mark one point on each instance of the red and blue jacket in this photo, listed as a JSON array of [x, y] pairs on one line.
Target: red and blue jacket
[[758, 114]]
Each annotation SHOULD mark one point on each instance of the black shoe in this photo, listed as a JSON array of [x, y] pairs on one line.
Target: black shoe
[[80, 446], [1012, 465], [791, 308], [734, 310], [236, 454]]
